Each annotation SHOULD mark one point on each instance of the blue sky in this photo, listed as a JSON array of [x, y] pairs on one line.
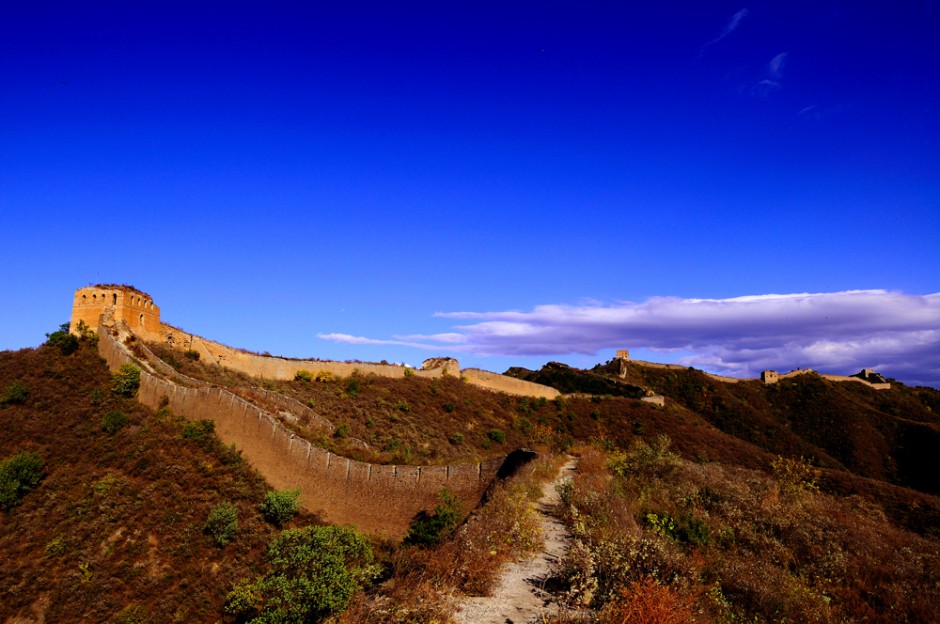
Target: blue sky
[[507, 183]]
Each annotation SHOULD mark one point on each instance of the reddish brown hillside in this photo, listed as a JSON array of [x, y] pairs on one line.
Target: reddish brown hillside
[[114, 531]]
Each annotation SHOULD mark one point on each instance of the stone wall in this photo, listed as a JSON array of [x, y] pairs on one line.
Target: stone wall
[[272, 367], [136, 308], [379, 499], [841, 378], [509, 385], [720, 378]]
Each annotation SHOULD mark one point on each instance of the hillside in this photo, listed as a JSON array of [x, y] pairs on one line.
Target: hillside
[[115, 529], [880, 443], [877, 443]]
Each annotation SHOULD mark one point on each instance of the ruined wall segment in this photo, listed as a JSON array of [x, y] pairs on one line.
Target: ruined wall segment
[[379, 499]]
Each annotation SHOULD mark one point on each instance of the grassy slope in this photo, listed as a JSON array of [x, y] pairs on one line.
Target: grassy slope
[[878, 443], [114, 531], [117, 521]]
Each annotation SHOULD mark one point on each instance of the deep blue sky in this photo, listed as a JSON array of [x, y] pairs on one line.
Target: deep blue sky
[[271, 172]]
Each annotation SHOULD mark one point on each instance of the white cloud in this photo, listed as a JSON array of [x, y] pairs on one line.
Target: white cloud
[[839, 332], [771, 83], [729, 28], [776, 65], [362, 340]]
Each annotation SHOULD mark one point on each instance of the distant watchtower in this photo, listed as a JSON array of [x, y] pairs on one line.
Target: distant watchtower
[[623, 354], [123, 303], [769, 377]]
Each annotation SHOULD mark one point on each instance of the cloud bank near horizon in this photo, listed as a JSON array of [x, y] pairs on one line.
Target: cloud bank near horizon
[[841, 332]]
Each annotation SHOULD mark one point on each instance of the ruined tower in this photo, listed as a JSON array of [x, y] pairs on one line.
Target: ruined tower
[[121, 302]]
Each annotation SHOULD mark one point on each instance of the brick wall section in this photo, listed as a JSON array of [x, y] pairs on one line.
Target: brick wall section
[[378, 499]]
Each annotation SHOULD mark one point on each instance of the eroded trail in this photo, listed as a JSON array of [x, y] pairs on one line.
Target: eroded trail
[[518, 597]]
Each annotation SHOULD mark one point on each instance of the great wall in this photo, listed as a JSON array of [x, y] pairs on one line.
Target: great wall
[[381, 499], [866, 376]]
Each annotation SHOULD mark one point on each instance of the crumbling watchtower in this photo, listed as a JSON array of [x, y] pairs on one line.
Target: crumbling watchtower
[[121, 302]]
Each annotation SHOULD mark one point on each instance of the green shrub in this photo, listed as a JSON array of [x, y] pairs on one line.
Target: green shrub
[[113, 421], [222, 523], [303, 375], [449, 407], [403, 406], [324, 376], [133, 614], [198, 430], [19, 474], [796, 476], [409, 372], [66, 342], [342, 430], [16, 392], [279, 507], [86, 332], [56, 547], [314, 573], [429, 530], [496, 436], [126, 380], [645, 460], [230, 455], [191, 354], [686, 529], [352, 387], [456, 439]]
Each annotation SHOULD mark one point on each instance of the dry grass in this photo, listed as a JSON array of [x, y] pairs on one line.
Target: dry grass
[[422, 582], [737, 545], [114, 530]]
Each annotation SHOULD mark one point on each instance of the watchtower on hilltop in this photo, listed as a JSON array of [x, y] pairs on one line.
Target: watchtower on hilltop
[[123, 303]]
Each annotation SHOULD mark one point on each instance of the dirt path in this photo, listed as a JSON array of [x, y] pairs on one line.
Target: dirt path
[[518, 597]]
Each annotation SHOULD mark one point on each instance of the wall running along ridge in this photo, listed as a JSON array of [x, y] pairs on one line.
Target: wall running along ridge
[[136, 308], [271, 367], [379, 499], [767, 377]]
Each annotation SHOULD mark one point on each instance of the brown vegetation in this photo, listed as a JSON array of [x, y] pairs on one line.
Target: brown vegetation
[[114, 531], [662, 535], [725, 522]]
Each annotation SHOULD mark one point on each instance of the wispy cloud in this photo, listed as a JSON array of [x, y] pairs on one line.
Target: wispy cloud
[[362, 340], [773, 76], [729, 28], [839, 332], [776, 65]]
